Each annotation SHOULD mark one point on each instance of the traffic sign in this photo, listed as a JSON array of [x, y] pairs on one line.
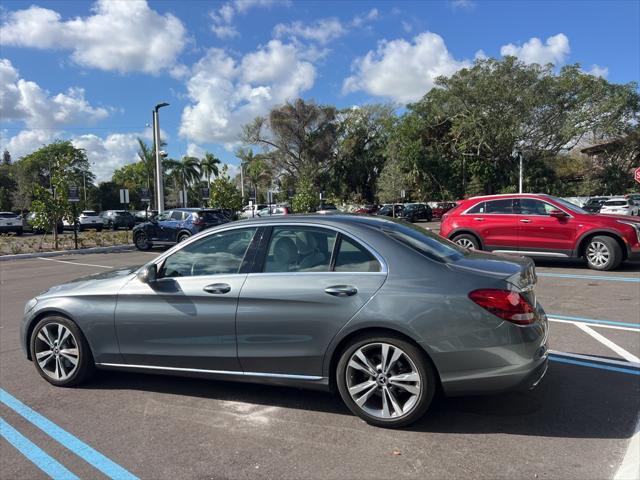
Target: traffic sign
[[74, 194], [636, 175], [206, 193], [145, 195], [124, 195], [182, 194]]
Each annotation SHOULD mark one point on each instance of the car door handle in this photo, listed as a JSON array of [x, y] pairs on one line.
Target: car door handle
[[341, 290], [479, 219], [217, 288], [525, 220]]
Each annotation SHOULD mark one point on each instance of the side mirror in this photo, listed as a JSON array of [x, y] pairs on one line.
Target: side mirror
[[148, 274], [559, 214]]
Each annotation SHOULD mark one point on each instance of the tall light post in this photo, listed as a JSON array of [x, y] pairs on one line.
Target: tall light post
[[156, 147]]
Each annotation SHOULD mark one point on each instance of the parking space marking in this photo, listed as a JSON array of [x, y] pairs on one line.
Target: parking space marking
[[630, 467], [77, 446], [593, 358], [590, 277], [600, 323], [629, 357], [35, 454], [73, 263], [600, 364]]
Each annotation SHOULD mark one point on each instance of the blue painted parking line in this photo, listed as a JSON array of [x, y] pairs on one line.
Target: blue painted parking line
[[36, 455], [77, 446], [595, 321], [591, 277], [601, 366]]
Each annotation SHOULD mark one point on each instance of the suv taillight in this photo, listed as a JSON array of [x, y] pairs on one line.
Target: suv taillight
[[508, 305], [199, 222]]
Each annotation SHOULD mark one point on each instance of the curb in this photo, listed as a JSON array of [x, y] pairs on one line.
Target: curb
[[59, 253]]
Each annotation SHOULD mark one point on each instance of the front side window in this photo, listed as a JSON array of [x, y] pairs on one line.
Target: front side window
[[164, 216], [216, 254], [352, 257], [177, 215], [531, 206], [299, 249]]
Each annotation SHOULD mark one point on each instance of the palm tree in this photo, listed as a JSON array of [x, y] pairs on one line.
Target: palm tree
[[209, 166], [185, 172]]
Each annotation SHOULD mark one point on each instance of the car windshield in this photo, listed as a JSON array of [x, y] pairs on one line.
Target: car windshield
[[616, 203], [570, 206], [90, 213], [424, 241], [7, 215], [210, 216]]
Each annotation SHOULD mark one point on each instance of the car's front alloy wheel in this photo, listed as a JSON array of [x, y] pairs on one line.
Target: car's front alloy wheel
[[60, 352], [386, 381], [603, 253], [142, 241]]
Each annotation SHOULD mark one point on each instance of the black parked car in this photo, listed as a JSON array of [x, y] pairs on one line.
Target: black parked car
[[115, 219], [594, 204], [413, 212], [391, 210], [176, 225]]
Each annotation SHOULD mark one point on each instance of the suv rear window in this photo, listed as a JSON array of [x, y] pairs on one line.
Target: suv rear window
[[616, 203]]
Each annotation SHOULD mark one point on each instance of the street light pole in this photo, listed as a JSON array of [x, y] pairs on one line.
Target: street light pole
[[242, 181], [520, 176], [156, 139]]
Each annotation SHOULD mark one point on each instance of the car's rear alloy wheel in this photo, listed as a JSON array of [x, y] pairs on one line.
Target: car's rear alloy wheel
[[60, 352], [142, 241], [467, 241], [182, 237], [603, 253], [386, 381]]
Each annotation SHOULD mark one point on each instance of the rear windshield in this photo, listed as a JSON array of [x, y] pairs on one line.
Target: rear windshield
[[424, 241], [7, 215], [90, 214], [210, 216], [616, 203]]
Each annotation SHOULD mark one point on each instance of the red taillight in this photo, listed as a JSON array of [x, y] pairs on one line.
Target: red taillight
[[510, 306], [199, 222]]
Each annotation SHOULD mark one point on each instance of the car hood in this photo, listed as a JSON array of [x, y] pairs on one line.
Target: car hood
[[110, 281], [517, 270], [626, 218]]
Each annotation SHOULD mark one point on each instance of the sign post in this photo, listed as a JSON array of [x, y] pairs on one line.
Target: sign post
[[182, 194], [145, 197], [205, 193], [636, 174], [74, 198]]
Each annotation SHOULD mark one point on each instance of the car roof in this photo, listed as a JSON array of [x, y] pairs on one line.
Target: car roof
[[508, 195], [339, 219]]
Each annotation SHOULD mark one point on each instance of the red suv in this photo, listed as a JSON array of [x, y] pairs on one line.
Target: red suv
[[543, 226]]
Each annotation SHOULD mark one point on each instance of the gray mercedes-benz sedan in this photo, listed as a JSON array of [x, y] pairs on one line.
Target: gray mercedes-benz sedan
[[384, 312]]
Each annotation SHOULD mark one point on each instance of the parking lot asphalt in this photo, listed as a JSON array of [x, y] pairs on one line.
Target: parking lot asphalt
[[576, 424]]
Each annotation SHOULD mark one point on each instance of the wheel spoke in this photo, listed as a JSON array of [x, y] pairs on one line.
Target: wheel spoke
[[365, 361], [41, 336], [365, 396], [397, 353], [70, 354], [394, 402], [44, 359], [359, 366], [66, 334], [361, 386], [48, 334]]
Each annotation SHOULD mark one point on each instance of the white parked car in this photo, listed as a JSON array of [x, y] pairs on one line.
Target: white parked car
[[87, 219], [250, 211], [10, 222], [620, 206]]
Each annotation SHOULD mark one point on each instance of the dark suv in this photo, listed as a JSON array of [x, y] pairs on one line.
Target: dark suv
[[412, 212], [176, 225], [115, 219]]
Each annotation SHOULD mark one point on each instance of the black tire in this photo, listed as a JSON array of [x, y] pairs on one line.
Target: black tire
[[112, 226], [19, 232], [466, 240], [141, 240], [603, 253], [85, 364], [183, 236], [427, 388], [99, 229]]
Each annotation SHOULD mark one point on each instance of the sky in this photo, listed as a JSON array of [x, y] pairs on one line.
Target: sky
[[91, 72]]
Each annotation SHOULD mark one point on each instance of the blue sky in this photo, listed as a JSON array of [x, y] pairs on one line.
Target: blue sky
[[92, 71]]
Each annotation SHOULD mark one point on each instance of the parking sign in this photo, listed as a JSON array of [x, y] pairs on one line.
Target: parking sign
[[74, 194], [124, 195]]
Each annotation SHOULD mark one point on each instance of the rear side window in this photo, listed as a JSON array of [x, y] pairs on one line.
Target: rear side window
[[425, 242], [479, 208], [177, 215], [354, 258], [500, 206]]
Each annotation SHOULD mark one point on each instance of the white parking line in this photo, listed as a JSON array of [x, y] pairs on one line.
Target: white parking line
[[629, 357], [599, 325], [630, 467], [73, 263]]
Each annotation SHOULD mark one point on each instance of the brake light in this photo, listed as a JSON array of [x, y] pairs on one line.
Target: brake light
[[199, 222], [508, 305]]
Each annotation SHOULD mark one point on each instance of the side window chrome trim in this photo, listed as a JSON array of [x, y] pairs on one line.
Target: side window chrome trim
[[383, 264]]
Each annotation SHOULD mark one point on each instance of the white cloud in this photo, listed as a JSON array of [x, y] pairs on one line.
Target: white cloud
[[195, 150], [223, 17], [26, 141], [321, 31], [22, 100], [227, 93], [370, 16], [463, 4], [555, 50], [119, 35], [403, 71], [598, 71]]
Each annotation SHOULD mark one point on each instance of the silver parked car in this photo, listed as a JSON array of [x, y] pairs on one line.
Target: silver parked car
[[384, 312]]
